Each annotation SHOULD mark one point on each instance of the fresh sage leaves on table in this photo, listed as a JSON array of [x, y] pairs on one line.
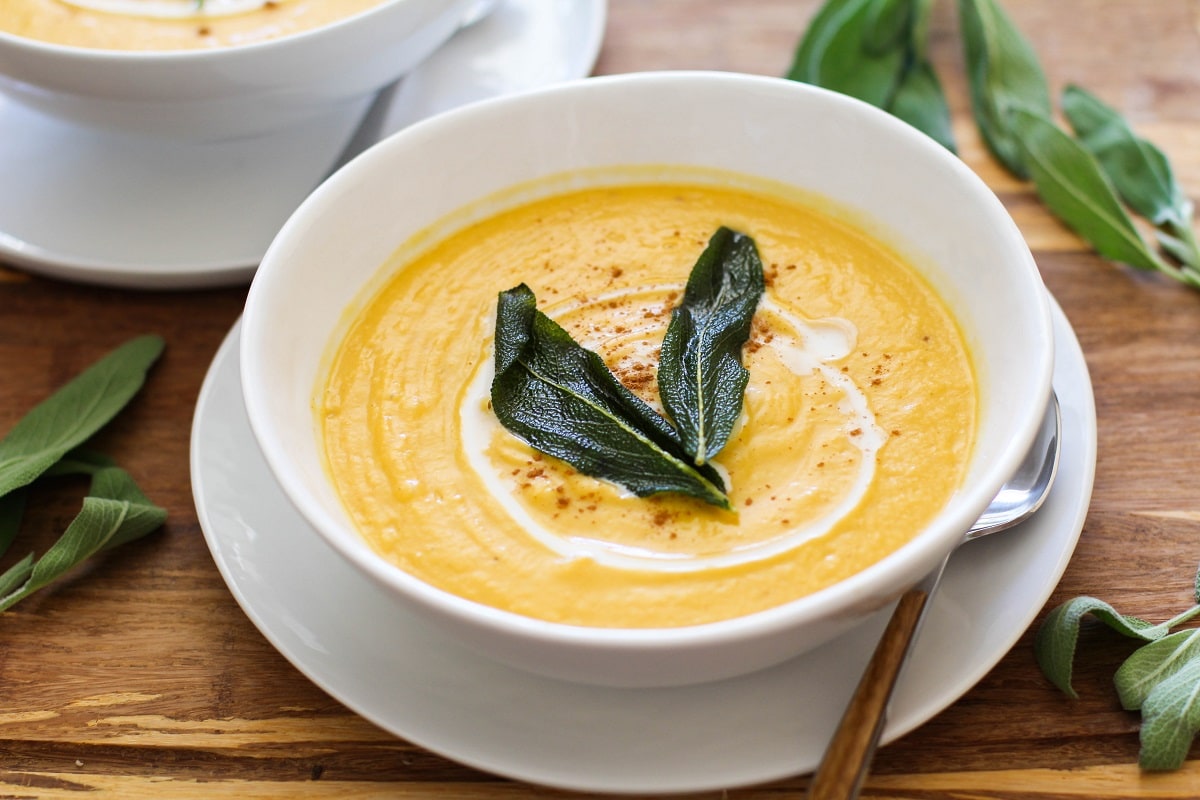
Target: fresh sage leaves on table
[[875, 50], [1003, 74], [1161, 679], [1072, 185], [562, 400], [1141, 175], [1095, 181], [46, 443]]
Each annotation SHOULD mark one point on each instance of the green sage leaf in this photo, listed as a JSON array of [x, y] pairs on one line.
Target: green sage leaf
[[1058, 635], [114, 512], [874, 50], [813, 45], [1171, 719], [887, 26], [1072, 185], [561, 399], [1003, 74], [15, 576], [12, 505], [1139, 171], [1183, 247], [700, 375], [1153, 663], [75, 412], [833, 54], [922, 11], [920, 101], [80, 461], [12, 510]]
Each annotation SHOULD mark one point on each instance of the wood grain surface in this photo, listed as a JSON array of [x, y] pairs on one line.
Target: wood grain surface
[[140, 677]]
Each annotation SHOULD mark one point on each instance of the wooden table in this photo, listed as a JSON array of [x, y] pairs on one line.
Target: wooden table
[[140, 677]]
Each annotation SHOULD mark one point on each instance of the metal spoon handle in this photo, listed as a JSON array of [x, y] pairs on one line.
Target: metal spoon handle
[[847, 759]]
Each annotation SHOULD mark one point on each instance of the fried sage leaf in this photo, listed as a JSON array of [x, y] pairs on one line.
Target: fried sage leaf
[[1072, 185], [700, 375], [76, 411], [114, 512], [561, 399], [1003, 74]]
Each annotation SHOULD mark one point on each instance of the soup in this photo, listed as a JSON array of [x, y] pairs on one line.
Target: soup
[[857, 424], [156, 25]]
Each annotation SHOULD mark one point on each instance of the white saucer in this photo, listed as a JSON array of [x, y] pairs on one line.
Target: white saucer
[[353, 641], [130, 211]]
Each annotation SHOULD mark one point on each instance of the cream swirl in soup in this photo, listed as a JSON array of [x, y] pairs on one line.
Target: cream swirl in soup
[[857, 424], [802, 356]]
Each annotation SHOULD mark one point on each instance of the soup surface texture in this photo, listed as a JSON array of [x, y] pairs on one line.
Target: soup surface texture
[[858, 420], [156, 25]]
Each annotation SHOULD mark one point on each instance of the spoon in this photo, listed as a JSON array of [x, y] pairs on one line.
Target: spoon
[[848, 756]]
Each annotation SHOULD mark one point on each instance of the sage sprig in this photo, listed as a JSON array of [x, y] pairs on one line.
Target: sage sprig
[[75, 412], [562, 400], [114, 512], [1095, 181], [1139, 171], [875, 50], [1003, 74], [45, 443], [1072, 185], [1161, 679]]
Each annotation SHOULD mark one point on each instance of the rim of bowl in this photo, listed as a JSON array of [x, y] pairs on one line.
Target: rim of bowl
[[56, 50], [934, 543]]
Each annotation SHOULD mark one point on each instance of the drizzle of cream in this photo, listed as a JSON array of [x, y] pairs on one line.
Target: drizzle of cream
[[170, 9], [804, 346]]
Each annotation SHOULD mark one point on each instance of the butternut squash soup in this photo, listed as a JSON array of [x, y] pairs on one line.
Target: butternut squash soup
[[857, 419], [156, 25]]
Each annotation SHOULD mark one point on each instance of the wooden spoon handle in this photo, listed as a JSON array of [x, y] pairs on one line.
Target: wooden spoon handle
[[848, 757]]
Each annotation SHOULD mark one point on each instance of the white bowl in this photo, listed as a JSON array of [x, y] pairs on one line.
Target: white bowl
[[229, 91], [840, 148]]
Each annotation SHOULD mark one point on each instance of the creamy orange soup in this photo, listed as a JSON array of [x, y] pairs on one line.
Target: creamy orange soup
[[169, 24], [858, 420]]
